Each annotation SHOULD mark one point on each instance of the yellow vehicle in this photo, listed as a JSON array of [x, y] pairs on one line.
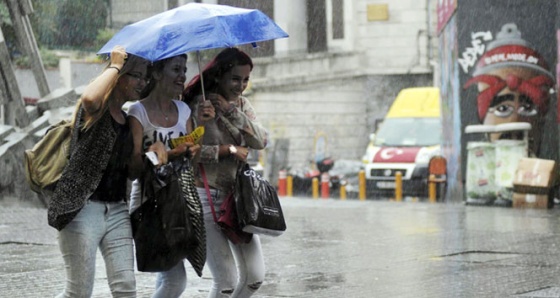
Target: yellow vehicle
[[408, 137]]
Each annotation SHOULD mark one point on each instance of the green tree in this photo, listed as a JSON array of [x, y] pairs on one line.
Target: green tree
[[43, 22], [62, 23], [78, 22], [8, 30], [4, 14]]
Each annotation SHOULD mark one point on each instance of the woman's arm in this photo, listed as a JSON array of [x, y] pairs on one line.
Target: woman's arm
[[95, 91], [137, 161], [205, 115], [188, 148], [244, 119], [240, 120]]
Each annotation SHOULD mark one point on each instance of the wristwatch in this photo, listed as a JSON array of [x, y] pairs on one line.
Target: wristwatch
[[232, 150]]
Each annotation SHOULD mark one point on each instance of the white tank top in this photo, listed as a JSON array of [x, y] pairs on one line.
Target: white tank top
[[153, 133]]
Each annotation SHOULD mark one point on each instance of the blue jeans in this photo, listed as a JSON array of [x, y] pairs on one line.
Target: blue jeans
[[237, 269], [171, 283], [105, 226]]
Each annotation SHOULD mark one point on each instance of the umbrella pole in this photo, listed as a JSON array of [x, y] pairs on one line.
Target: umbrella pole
[[201, 77]]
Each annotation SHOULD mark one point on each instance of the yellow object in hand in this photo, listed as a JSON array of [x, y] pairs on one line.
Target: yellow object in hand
[[194, 137]]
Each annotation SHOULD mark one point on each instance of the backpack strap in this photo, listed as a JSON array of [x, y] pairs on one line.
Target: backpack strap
[[76, 130]]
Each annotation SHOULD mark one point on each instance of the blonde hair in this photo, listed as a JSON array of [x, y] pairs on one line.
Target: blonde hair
[[90, 120]]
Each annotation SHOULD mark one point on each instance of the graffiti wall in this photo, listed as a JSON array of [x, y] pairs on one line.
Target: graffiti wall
[[445, 10], [449, 92], [504, 72]]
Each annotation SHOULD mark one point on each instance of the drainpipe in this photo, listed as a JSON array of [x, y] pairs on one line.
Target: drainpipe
[[429, 52], [432, 63], [429, 32]]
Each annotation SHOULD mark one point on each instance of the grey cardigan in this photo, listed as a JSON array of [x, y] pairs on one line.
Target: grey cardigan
[[80, 178], [240, 127]]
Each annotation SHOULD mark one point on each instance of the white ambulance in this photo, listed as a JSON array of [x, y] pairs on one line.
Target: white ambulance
[[406, 140]]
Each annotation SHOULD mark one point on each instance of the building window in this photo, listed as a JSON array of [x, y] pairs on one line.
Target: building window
[[337, 19], [316, 26]]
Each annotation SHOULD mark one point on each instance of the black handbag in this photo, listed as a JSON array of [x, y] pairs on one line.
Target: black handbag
[[168, 226], [258, 207]]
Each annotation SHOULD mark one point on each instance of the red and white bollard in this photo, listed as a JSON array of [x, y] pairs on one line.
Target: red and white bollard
[[325, 186], [282, 176]]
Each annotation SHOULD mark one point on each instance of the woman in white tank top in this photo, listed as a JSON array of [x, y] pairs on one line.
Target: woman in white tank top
[[154, 121]]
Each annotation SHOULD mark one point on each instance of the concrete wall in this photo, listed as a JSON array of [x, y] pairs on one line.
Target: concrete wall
[[129, 11], [334, 108], [399, 44], [290, 16]]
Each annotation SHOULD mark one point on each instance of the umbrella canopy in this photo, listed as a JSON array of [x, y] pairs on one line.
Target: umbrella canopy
[[194, 27]]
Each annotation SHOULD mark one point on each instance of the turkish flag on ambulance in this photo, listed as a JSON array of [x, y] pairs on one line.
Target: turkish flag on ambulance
[[394, 154]]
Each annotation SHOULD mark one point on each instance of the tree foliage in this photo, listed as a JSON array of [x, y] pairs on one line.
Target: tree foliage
[[4, 15], [75, 24], [69, 23], [8, 29], [78, 22], [43, 21]]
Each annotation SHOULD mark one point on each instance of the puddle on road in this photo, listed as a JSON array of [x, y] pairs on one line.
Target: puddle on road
[[545, 292], [478, 256]]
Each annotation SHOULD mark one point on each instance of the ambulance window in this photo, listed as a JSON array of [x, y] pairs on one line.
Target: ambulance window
[[411, 132]]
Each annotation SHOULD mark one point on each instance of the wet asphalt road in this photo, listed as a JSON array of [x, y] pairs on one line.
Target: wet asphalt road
[[335, 248]]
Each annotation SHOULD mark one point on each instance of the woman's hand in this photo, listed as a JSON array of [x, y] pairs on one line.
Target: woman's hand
[[97, 90], [118, 57], [194, 150], [206, 111], [188, 148], [220, 103], [159, 149], [241, 154]]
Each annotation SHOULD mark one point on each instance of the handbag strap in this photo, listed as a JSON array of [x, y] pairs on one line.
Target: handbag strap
[[208, 195], [142, 180]]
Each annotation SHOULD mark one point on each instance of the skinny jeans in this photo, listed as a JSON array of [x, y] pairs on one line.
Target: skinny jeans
[[171, 283], [237, 269], [105, 226]]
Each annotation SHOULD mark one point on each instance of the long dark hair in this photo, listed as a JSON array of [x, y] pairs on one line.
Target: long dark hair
[[213, 71], [156, 66]]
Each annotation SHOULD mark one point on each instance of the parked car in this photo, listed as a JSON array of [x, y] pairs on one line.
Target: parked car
[[302, 179], [345, 172], [341, 172]]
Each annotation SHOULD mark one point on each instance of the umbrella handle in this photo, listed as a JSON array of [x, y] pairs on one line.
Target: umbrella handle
[[201, 80], [201, 77]]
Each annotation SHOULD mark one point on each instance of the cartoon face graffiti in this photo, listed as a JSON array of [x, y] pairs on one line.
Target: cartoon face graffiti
[[513, 86]]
